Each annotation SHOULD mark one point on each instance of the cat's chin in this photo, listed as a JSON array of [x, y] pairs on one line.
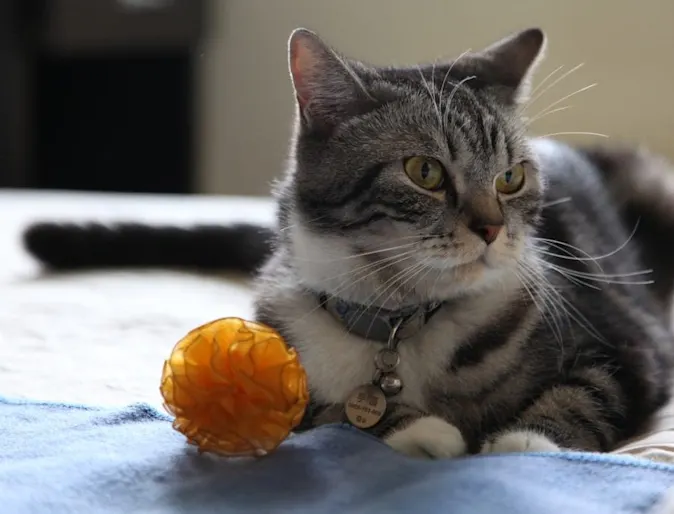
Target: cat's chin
[[446, 262], [466, 279], [478, 264], [488, 270], [452, 265]]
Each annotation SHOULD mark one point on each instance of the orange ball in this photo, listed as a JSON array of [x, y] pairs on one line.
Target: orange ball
[[234, 387]]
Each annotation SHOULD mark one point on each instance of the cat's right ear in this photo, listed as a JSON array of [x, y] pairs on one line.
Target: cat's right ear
[[328, 87]]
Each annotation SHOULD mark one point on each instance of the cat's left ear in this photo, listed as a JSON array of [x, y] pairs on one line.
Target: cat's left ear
[[327, 86], [508, 65]]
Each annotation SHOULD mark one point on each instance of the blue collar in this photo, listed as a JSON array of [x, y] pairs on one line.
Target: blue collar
[[376, 323]]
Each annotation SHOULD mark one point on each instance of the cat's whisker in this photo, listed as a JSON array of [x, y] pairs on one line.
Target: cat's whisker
[[453, 92], [578, 282], [544, 81], [580, 318], [422, 277], [551, 85], [368, 272], [572, 133], [401, 275], [440, 272], [362, 254], [607, 279], [572, 311], [423, 266], [526, 284], [303, 222], [445, 111], [566, 248], [371, 264], [585, 279], [546, 113], [547, 291], [569, 256], [537, 275], [432, 96], [603, 275], [345, 285], [543, 112], [613, 275], [437, 100], [552, 203], [393, 280], [582, 277], [613, 282], [556, 315], [588, 256], [418, 273]]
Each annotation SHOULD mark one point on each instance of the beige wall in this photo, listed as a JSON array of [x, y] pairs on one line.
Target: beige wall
[[246, 104]]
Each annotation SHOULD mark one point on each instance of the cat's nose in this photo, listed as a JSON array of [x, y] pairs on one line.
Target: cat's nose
[[483, 215], [487, 232]]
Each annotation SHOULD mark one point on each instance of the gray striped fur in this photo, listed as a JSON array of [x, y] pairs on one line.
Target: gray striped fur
[[505, 365]]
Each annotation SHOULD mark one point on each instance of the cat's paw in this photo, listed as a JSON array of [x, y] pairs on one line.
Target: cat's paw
[[519, 441], [430, 438]]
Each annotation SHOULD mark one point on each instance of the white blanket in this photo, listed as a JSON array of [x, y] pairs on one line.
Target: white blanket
[[101, 337]]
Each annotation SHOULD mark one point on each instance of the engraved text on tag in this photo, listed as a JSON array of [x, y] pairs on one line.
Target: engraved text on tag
[[365, 406]]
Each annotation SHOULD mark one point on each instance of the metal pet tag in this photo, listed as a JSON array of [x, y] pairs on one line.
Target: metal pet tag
[[366, 406]]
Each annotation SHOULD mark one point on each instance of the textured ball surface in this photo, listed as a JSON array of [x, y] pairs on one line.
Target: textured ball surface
[[234, 387]]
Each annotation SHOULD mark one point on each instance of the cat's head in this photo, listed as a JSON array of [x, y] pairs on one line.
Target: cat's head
[[421, 177]]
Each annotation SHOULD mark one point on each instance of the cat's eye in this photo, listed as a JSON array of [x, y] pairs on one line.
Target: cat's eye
[[511, 181], [425, 172]]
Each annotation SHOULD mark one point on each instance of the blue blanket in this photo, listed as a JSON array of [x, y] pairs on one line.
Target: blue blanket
[[69, 459]]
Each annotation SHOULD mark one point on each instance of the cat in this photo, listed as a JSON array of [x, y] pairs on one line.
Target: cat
[[526, 281]]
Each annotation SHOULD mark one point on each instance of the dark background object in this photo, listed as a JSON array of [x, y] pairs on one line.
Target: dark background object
[[102, 97], [19, 32]]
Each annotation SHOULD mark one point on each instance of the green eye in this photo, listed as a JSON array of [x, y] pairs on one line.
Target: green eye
[[511, 181], [425, 172]]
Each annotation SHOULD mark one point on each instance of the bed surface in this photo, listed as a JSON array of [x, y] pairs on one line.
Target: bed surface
[[99, 338]]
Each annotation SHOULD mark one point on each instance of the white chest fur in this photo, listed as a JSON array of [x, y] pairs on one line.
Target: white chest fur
[[338, 362]]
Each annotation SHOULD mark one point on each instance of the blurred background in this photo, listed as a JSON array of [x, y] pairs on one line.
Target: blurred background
[[193, 96]]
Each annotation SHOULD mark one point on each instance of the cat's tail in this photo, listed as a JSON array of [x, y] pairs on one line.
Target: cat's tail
[[642, 184], [241, 247]]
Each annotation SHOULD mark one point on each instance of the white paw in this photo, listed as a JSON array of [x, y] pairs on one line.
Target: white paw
[[430, 438], [519, 441]]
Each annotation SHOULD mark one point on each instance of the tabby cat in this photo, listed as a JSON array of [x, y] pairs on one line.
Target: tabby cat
[[527, 283]]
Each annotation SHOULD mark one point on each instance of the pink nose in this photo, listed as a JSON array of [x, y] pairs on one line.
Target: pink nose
[[488, 232]]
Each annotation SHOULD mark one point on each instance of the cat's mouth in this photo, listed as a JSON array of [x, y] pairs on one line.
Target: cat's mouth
[[462, 258], [447, 260], [481, 261]]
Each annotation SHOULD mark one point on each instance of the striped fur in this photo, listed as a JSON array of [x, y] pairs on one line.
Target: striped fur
[[533, 349]]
